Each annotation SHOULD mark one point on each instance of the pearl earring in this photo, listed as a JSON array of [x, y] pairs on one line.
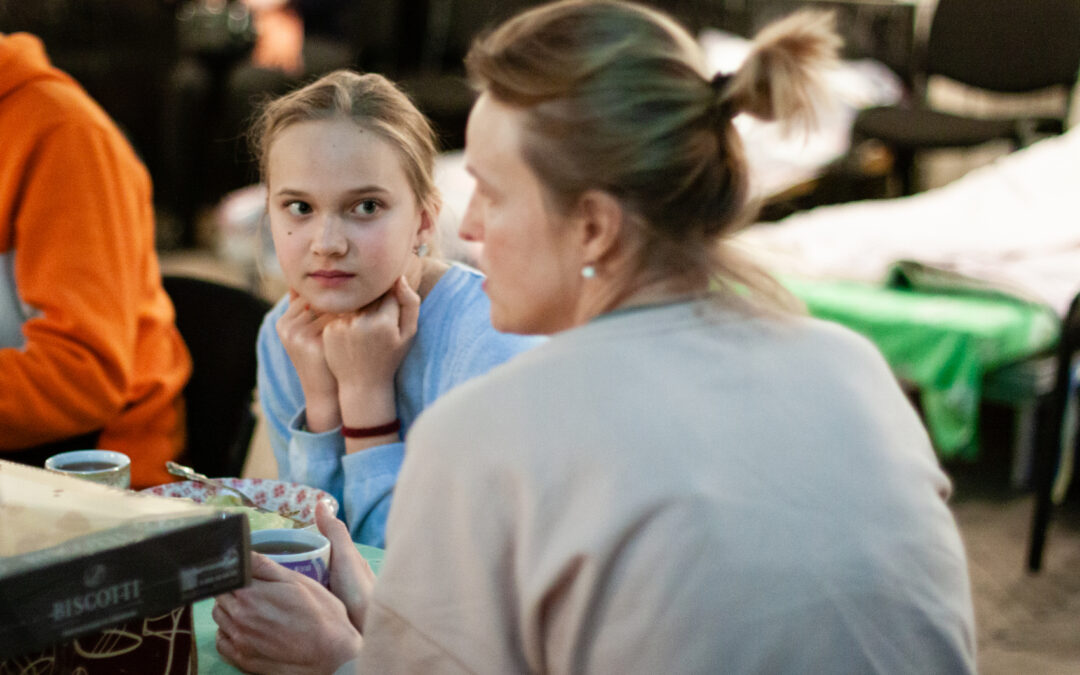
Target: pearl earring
[[421, 250], [588, 272]]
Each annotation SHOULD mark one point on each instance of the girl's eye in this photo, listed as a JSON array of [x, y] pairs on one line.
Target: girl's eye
[[298, 208], [367, 207]]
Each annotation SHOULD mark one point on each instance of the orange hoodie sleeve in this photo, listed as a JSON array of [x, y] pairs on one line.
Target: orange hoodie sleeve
[[77, 266]]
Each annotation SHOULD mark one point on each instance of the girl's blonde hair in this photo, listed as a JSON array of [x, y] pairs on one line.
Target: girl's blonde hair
[[617, 98], [372, 102]]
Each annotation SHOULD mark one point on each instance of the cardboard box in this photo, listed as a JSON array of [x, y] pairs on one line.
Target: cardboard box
[[153, 645], [79, 559]]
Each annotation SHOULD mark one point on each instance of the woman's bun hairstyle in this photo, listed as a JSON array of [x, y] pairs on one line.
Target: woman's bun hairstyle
[[778, 79]]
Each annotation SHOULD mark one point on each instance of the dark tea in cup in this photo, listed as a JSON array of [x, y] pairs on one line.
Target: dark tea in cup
[[279, 547], [85, 466], [99, 466], [305, 551]]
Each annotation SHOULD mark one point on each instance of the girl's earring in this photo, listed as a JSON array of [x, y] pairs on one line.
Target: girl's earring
[[421, 250], [588, 272]]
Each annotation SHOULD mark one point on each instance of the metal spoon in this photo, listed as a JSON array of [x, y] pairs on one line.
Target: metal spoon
[[191, 474]]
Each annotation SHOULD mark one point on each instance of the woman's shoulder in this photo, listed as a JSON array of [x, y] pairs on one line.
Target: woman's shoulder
[[831, 337], [466, 418]]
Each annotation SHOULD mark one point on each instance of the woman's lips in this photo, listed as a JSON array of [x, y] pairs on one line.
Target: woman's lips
[[331, 278]]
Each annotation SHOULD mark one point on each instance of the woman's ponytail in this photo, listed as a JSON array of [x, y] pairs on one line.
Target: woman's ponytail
[[778, 79]]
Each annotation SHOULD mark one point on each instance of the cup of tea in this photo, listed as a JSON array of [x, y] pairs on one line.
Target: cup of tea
[[306, 551], [100, 466]]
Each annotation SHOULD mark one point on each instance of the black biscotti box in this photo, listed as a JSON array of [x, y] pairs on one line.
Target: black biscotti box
[[77, 557]]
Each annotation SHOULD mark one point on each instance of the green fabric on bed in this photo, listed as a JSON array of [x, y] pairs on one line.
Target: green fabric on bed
[[943, 342]]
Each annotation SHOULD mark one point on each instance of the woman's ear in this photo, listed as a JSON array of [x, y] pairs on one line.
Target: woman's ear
[[600, 219]]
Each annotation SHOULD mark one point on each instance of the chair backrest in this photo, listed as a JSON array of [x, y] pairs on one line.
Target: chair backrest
[[220, 325], [1008, 46]]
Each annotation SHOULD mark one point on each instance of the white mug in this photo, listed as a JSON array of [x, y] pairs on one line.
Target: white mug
[[100, 466], [306, 551]]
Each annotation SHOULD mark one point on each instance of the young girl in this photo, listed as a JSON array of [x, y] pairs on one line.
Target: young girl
[[375, 328]]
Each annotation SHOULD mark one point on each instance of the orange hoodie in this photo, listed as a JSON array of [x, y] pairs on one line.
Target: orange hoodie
[[87, 334]]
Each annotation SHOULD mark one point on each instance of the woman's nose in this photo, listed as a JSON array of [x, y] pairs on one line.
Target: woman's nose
[[330, 239], [472, 225]]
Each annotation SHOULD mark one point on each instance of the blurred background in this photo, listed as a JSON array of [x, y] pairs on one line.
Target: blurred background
[[182, 78]]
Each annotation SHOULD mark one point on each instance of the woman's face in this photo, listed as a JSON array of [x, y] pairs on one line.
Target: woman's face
[[532, 266], [343, 216]]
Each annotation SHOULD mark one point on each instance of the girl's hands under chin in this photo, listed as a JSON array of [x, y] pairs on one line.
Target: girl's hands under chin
[[364, 351], [300, 330]]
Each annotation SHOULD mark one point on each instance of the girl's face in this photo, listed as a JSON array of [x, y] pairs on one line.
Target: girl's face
[[344, 219], [529, 257]]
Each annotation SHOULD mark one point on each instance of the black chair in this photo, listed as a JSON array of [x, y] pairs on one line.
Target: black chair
[[220, 325], [1052, 425], [999, 46]]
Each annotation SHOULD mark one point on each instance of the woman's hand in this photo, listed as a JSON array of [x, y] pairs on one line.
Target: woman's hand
[[300, 330], [364, 351], [284, 622], [351, 577]]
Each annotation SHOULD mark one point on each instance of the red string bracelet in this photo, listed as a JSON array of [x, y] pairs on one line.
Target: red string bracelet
[[370, 432]]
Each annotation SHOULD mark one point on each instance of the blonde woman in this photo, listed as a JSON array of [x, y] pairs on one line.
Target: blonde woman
[[688, 477]]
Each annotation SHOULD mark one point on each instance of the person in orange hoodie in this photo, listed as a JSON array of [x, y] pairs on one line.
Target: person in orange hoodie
[[89, 351]]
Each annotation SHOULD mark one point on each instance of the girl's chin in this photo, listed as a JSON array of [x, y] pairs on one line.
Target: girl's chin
[[335, 308], [346, 299], [337, 304]]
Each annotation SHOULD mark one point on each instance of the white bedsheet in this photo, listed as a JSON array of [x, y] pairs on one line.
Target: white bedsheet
[[1014, 222]]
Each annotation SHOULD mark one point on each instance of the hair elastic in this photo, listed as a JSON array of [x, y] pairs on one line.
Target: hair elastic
[[719, 81], [723, 108], [371, 432]]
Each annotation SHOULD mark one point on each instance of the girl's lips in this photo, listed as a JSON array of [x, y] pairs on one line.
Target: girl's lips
[[331, 278], [330, 274]]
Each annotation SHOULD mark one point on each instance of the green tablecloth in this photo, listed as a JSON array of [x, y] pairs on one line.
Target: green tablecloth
[[210, 662], [943, 342]]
